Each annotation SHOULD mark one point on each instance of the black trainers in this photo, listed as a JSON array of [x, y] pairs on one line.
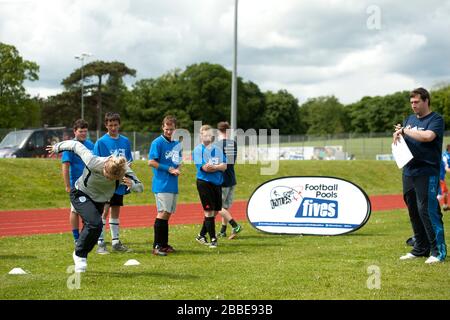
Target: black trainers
[[202, 240], [168, 249], [213, 243], [157, 251], [235, 231]]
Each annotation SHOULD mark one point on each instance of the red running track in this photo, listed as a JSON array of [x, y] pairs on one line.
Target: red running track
[[27, 222]]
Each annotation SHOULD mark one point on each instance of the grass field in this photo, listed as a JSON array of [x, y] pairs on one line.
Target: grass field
[[38, 184], [254, 266]]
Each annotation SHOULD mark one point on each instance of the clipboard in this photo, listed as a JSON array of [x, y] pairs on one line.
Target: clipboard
[[401, 152]]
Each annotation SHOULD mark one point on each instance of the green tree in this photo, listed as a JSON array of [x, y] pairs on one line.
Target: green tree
[[62, 109], [282, 112], [379, 114], [16, 107], [201, 92], [151, 99], [324, 115], [208, 88], [359, 115], [440, 102], [113, 72], [251, 106]]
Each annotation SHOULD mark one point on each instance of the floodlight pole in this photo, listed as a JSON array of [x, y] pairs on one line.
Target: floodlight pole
[[234, 75], [81, 57]]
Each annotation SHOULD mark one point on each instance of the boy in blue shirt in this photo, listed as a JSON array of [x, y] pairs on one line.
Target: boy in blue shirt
[[210, 163], [72, 169], [113, 143], [165, 160], [229, 149]]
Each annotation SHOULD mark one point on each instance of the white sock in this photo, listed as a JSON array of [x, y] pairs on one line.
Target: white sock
[[102, 235], [114, 226]]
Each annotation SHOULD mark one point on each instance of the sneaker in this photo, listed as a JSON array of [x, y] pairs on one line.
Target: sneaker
[[222, 235], [202, 240], [101, 248], [157, 251], [119, 247], [235, 231], [213, 243], [168, 249], [408, 256], [432, 259], [80, 263]]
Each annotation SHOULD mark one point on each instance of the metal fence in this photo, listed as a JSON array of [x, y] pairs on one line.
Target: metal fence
[[354, 146]]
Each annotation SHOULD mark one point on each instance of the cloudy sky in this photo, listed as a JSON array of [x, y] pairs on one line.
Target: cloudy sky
[[346, 48]]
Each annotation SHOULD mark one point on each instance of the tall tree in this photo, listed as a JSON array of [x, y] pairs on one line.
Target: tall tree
[[99, 70], [251, 106], [208, 87], [62, 109], [378, 114], [16, 107], [324, 115], [282, 112], [440, 102], [151, 99]]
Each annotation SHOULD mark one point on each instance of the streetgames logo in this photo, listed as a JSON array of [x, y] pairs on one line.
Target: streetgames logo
[[283, 195], [174, 155]]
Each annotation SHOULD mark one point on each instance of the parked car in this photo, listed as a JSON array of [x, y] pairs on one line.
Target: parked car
[[31, 143]]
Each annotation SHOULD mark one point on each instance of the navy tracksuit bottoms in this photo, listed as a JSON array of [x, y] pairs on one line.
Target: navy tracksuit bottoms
[[420, 195], [91, 214]]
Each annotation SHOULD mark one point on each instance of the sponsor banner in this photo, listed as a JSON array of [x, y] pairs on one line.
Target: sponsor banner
[[308, 205]]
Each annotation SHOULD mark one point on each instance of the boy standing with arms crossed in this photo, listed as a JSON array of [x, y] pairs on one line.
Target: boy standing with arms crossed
[[165, 160], [210, 163]]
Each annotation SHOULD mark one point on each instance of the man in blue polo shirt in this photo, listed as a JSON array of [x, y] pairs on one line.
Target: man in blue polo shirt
[[72, 169], [165, 159], [423, 132], [113, 143]]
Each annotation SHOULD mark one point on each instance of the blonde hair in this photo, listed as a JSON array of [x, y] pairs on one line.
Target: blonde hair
[[115, 167], [205, 127]]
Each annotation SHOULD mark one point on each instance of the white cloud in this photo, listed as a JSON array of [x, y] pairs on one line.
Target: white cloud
[[310, 48]]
